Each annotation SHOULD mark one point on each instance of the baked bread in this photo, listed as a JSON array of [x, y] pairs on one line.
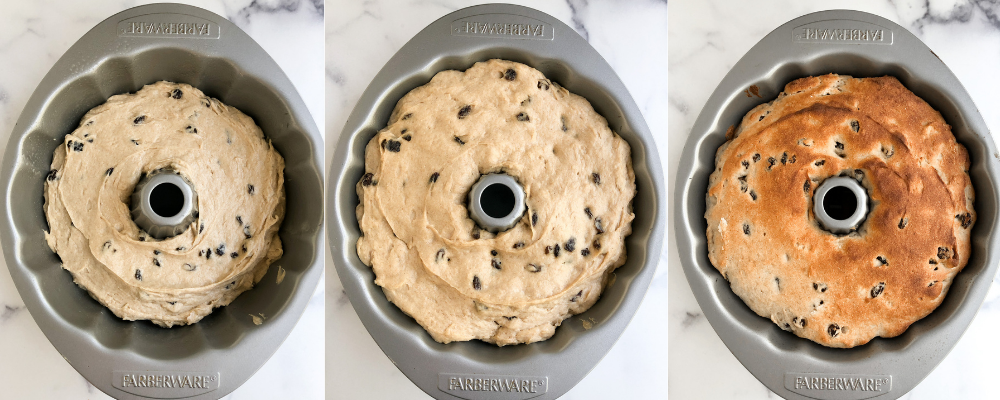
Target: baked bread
[[841, 290], [461, 282], [235, 171]]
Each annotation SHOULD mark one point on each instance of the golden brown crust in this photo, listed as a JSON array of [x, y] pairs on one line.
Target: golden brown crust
[[841, 291]]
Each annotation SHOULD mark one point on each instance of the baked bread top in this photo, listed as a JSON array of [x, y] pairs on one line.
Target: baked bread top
[[897, 265]]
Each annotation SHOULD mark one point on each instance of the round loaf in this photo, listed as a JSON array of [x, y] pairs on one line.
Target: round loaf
[[841, 290]]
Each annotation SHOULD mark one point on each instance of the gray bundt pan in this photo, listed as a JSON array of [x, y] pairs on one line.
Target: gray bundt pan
[[123, 53], [546, 369], [861, 45]]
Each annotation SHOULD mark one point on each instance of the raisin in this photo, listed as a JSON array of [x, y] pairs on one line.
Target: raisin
[[434, 177], [599, 225], [833, 330], [596, 244], [533, 268], [542, 84], [770, 162], [459, 140], [590, 214], [190, 267], [246, 231], [784, 158], [177, 93], [493, 253], [576, 296], [523, 117], [107, 245], [475, 283], [753, 195], [135, 142], [746, 229], [555, 252], [142, 238], [393, 146], [407, 138], [366, 180], [838, 146], [77, 146], [806, 186], [250, 189], [510, 74], [208, 253], [464, 111], [518, 245], [496, 263], [439, 256], [597, 178], [407, 116], [821, 287], [965, 219], [52, 175], [475, 235], [138, 120], [156, 262], [138, 275], [585, 252], [943, 253], [792, 160], [877, 290], [239, 220], [902, 223], [181, 248], [882, 260], [221, 249], [756, 157], [234, 254], [570, 245], [191, 129], [932, 262], [548, 249], [534, 219], [109, 171], [819, 163], [746, 164], [156, 252], [855, 126]]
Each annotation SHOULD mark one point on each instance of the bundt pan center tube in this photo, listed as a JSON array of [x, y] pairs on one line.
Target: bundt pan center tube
[[129, 50], [864, 46], [541, 370]]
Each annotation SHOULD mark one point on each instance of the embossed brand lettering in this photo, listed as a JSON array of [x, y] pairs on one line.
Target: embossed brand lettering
[[166, 28], [167, 381], [852, 35], [501, 29], [493, 385], [844, 384]]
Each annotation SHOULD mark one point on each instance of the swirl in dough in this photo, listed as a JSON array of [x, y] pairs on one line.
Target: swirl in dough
[[234, 169]]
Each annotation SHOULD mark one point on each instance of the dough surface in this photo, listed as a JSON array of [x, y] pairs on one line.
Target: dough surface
[[235, 171], [460, 282], [897, 266]]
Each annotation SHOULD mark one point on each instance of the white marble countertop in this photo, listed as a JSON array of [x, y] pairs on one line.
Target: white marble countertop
[[361, 37], [33, 35], [706, 39]]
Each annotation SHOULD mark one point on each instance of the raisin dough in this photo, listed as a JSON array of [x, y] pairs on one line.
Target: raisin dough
[[231, 165], [458, 281], [896, 267]]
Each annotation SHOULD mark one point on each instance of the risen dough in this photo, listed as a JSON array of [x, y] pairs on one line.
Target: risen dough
[[434, 263], [234, 169]]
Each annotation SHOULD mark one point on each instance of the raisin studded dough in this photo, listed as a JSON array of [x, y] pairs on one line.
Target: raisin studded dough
[[896, 267], [235, 171], [434, 263]]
